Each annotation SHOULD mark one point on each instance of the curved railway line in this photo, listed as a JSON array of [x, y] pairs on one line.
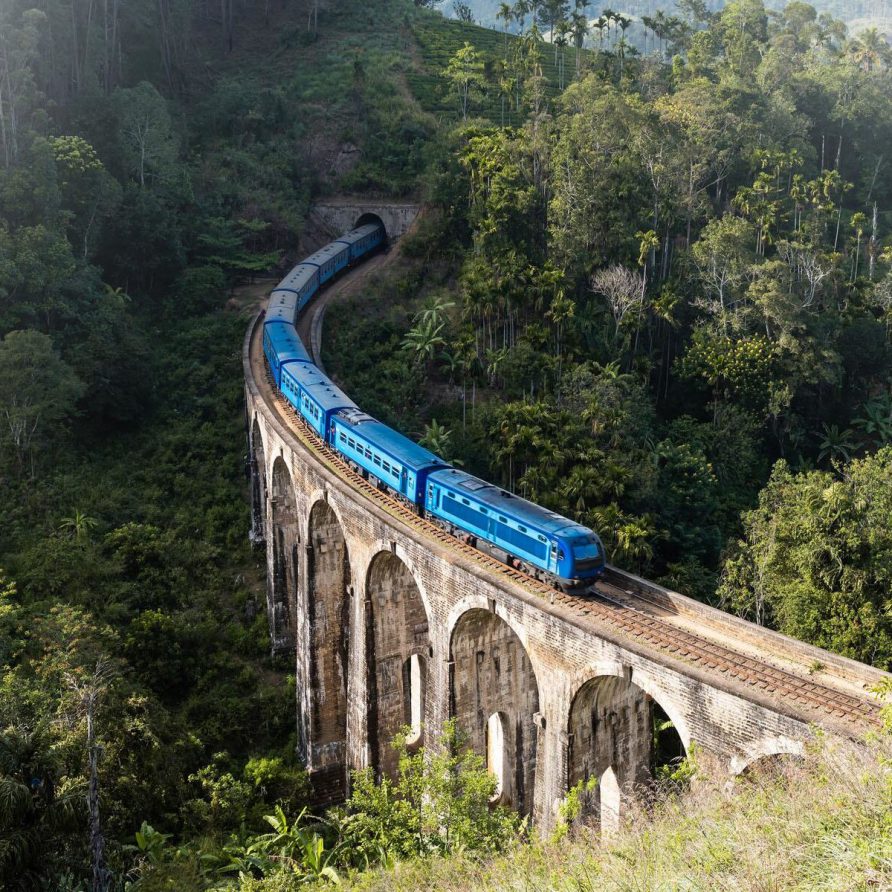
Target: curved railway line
[[776, 673]]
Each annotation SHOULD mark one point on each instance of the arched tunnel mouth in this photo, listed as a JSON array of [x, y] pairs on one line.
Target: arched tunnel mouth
[[369, 217]]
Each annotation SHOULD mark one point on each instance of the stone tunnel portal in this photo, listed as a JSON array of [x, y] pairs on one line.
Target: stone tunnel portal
[[369, 217]]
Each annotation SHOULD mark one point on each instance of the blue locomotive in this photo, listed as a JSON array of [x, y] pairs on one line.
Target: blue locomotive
[[517, 531]]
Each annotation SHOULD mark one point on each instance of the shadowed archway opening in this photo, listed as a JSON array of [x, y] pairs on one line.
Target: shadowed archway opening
[[328, 616], [369, 217], [492, 676], [397, 647], [618, 735], [257, 463], [773, 768], [282, 584]]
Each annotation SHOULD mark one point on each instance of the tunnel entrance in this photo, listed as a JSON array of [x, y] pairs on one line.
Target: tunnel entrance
[[369, 217], [495, 700], [398, 647]]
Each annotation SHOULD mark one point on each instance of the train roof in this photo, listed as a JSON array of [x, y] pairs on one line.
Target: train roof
[[297, 277], [286, 342], [401, 448], [324, 254], [354, 235], [282, 307], [507, 503], [320, 387]]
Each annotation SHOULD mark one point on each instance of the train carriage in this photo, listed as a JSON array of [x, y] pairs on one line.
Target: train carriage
[[389, 456], [330, 260], [363, 239], [283, 347], [302, 280], [282, 307], [564, 550], [314, 395]]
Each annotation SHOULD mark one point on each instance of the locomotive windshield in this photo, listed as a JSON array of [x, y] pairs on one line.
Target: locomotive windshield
[[586, 549]]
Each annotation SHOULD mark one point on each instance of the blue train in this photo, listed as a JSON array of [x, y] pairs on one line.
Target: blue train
[[524, 535]]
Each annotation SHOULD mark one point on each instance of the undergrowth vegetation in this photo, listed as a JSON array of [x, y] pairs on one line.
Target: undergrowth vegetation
[[823, 825]]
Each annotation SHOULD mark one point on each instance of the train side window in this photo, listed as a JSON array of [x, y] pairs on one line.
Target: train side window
[[368, 453], [351, 443], [503, 519], [377, 460], [484, 511], [522, 529], [342, 438], [386, 466], [466, 502], [395, 473]]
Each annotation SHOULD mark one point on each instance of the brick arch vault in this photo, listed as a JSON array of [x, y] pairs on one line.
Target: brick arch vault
[[379, 599]]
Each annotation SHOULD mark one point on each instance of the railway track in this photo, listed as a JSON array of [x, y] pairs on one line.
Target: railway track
[[608, 607]]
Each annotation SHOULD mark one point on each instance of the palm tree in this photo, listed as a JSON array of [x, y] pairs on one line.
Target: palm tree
[[35, 814], [438, 439], [506, 14], [78, 526], [835, 444], [609, 17], [579, 29], [876, 421], [424, 339]]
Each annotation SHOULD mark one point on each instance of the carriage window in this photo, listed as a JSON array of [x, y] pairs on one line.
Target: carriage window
[[377, 459], [466, 502], [503, 519], [342, 438], [522, 529]]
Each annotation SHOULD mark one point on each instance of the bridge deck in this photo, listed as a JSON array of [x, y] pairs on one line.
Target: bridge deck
[[781, 674]]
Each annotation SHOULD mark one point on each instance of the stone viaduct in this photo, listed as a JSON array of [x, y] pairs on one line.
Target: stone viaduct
[[392, 623]]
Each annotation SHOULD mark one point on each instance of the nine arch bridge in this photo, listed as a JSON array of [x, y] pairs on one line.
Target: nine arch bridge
[[393, 623]]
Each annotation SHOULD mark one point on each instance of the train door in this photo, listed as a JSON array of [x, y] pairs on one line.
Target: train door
[[404, 482], [553, 558]]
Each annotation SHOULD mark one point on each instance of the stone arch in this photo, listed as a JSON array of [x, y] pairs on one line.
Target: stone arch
[[642, 679], [328, 618], [775, 750], [369, 217], [397, 630], [611, 732], [770, 767], [492, 673], [282, 557], [257, 466]]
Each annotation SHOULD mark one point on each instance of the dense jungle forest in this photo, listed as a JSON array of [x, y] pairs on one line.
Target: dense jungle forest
[[650, 289]]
